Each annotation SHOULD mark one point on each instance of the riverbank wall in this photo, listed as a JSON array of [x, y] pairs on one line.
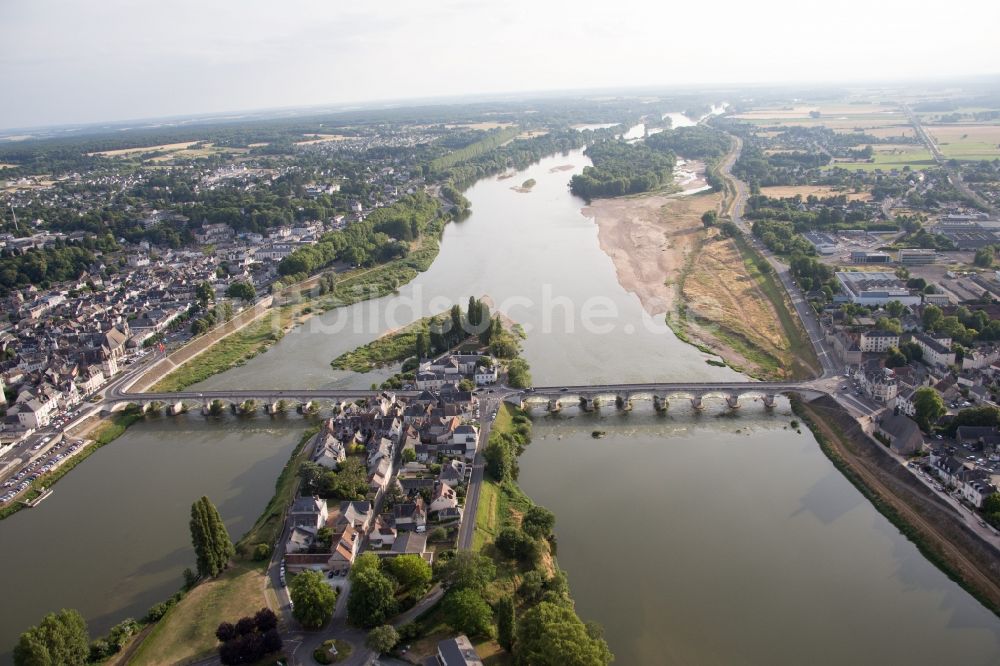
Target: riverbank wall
[[933, 526]]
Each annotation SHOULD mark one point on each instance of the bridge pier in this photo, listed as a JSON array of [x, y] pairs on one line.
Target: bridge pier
[[587, 404], [554, 406], [623, 403], [696, 403], [206, 408], [660, 404], [309, 408], [769, 401], [175, 409], [733, 400]]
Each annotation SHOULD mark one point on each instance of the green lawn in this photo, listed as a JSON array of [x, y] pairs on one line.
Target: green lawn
[[487, 514], [188, 629]]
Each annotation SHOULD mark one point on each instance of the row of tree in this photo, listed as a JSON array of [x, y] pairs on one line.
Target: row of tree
[[250, 639]]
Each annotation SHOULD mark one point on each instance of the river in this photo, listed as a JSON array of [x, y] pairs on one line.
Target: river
[[718, 539], [113, 538]]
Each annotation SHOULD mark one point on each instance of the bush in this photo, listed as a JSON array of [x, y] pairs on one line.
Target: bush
[[261, 552]]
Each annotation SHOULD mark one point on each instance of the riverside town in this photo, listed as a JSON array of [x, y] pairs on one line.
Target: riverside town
[[337, 337]]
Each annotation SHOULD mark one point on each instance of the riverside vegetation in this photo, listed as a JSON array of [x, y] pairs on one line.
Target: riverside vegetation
[[434, 335], [507, 593]]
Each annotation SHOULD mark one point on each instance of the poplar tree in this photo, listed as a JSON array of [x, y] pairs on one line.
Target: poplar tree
[[212, 546]]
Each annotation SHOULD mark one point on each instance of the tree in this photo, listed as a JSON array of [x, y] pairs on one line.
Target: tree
[[929, 407], [466, 385], [513, 542], [411, 571], [311, 473], [437, 535], [313, 598], [265, 620], [896, 358], [382, 639], [225, 632], [984, 257], [518, 375], [505, 622], [372, 599], [60, 639], [931, 316], [465, 611], [552, 635], [204, 293], [468, 570], [242, 290], [895, 309], [212, 546], [912, 351], [421, 345], [538, 522], [709, 218], [363, 563]]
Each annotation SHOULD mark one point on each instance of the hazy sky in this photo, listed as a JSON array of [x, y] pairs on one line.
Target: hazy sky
[[67, 61]]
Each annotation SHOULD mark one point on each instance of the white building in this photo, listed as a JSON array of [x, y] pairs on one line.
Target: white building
[[864, 288], [936, 351], [878, 341]]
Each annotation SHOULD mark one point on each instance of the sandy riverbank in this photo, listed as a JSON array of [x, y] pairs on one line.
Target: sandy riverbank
[[695, 277], [649, 238]]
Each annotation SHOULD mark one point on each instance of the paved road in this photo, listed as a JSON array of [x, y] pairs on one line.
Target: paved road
[[488, 404], [829, 363], [954, 175]]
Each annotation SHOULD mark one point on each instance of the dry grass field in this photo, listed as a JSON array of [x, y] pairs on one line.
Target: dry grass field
[[728, 312], [320, 138], [871, 118], [188, 630], [124, 152], [967, 142], [789, 191]]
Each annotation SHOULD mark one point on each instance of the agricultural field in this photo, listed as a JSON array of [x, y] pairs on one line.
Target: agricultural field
[[312, 139], [870, 118], [967, 142], [892, 156], [125, 152], [821, 191]]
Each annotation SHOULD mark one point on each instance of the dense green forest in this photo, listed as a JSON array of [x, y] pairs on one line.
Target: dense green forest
[[698, 142], [382, 236], [622, 168], [44, 266]]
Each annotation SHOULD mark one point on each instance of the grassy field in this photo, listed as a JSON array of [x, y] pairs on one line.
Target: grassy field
[[892, 156], [233, 350], [487, 515], [187, 631], [392, 347], [967, 142]]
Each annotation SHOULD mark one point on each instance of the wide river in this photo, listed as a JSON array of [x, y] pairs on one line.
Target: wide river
[[689, 541]]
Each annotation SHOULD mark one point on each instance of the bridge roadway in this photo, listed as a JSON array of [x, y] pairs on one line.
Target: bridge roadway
[[117, 394]]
